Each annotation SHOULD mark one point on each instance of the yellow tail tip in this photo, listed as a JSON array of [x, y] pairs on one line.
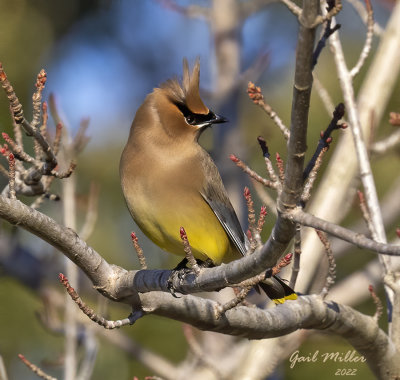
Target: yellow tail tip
[[292, 296]]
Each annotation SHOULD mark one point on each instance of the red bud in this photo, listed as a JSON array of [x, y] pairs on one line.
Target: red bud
[[183, 233], [233, 158], [249, 236], [288, 257]]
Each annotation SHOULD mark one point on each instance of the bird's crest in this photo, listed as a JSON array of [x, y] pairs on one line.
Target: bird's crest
[[188, 92]]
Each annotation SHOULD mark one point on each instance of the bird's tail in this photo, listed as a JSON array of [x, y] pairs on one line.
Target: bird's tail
[[277, 290]]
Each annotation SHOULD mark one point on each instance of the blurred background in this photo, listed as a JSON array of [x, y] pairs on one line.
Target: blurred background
[[102, 58]]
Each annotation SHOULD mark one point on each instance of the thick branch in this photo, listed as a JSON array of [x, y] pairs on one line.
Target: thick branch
[[308, 312], [284, 230], [60, 237]]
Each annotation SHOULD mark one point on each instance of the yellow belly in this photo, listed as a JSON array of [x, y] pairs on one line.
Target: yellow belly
[[162, 223]]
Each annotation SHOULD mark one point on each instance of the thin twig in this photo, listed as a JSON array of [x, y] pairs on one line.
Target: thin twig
[[324, 95], [91, 212], [91, 314], [295, 9], [35, 369], [331, 13], [265, 197], [305, 196], [57, 138], [19, 118], [188, 251], [251, 172], [326, 138], [281, 167], [11, 176], [254, 236], [221, 309], [37, 98], [366, 214], [257, 97], [283, 262], [297, 255], [20, 153], [377, 302], [139, 251], [36, 105], [368, 41], [330, 279], [45, 118], [17, 131], [327, 33], [268, 164], [362, 12], [383, 146], [67, 173], [261, 219], [81, 139]]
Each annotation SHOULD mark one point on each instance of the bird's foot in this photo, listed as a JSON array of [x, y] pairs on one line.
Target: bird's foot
[[177, 278], [181, 271], [206, 264]]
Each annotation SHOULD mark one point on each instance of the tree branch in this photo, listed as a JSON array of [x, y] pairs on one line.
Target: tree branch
[[299, 216], [308, 312]]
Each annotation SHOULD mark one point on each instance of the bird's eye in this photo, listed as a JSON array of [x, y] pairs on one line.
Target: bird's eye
[[190, 119]]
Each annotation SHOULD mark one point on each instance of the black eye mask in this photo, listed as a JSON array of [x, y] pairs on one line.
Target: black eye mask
[[195, 118]]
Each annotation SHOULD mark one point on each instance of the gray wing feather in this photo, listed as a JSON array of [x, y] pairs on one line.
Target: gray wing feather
[[215, 195], [230, 222]]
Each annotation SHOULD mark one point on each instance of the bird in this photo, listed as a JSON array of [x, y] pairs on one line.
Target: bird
[[169, 180]]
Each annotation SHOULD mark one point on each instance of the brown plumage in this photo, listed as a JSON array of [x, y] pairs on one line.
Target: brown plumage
[[170, 181]]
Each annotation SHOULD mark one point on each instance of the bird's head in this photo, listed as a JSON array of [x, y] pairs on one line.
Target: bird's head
[[180, 108]]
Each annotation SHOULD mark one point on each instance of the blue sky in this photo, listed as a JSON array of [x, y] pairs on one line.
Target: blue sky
[[107, 62]]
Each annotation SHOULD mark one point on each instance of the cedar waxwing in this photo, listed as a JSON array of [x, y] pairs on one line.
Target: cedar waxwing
[[170, 181]]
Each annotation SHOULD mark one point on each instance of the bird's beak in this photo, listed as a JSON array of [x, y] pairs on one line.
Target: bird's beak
[[218, 119]]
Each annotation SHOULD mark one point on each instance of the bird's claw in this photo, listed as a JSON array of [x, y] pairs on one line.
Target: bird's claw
[[177, 276]]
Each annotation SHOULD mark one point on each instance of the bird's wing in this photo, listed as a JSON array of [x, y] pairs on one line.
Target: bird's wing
[[214, 194]]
